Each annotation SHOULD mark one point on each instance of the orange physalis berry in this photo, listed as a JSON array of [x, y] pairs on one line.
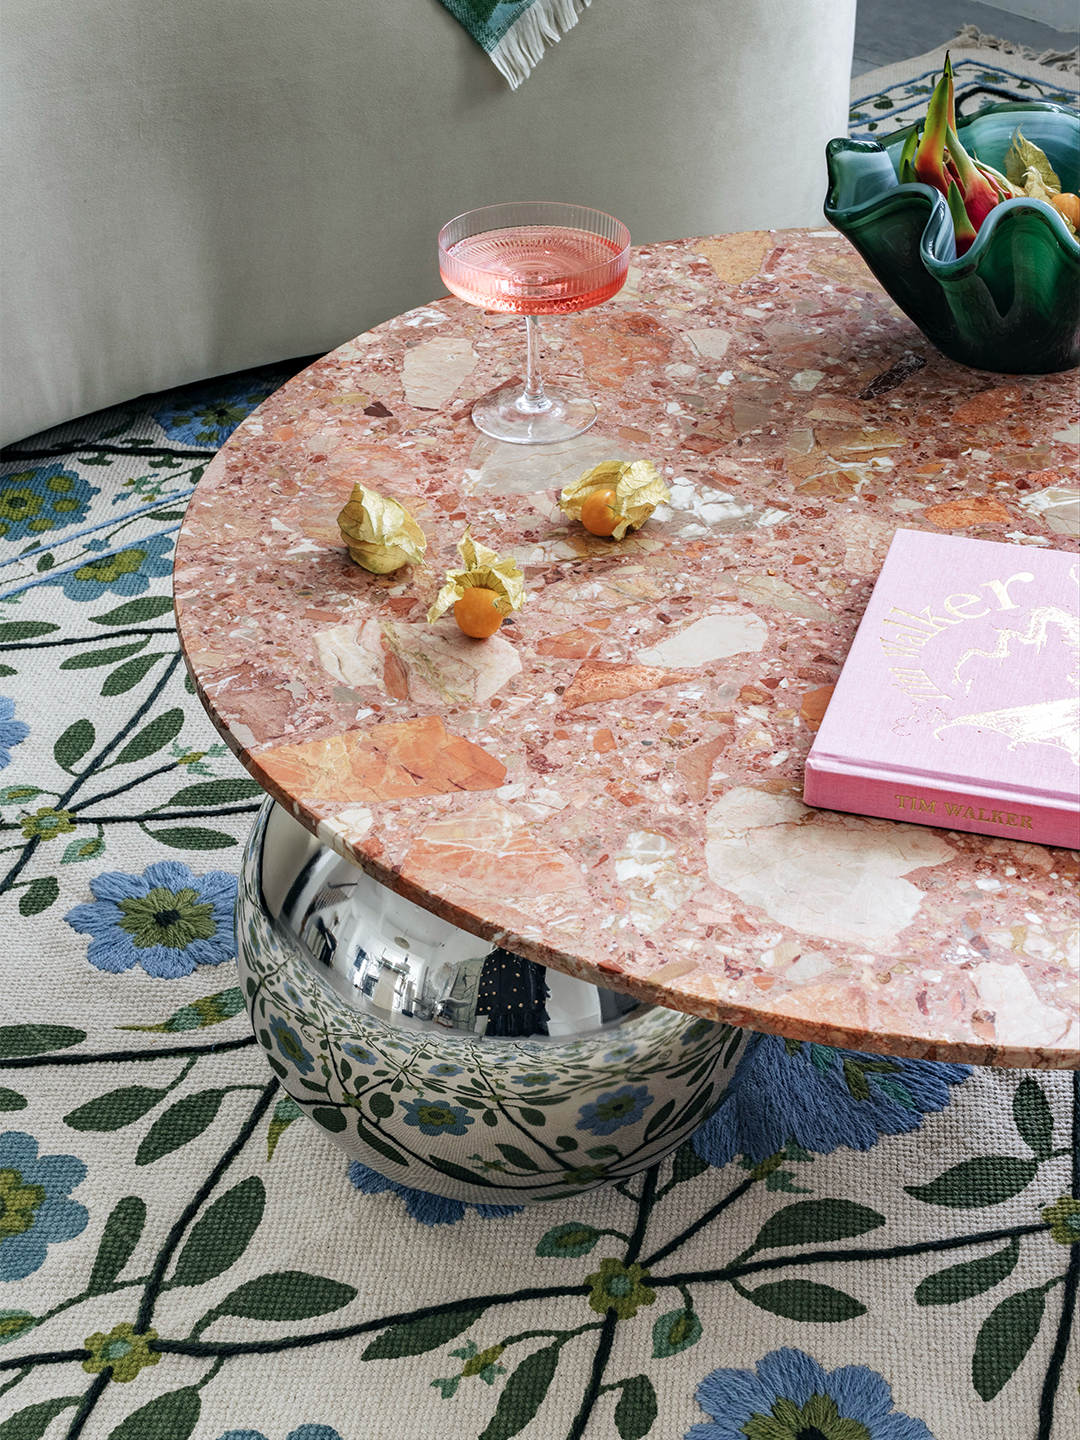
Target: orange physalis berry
[[598, 513], [477, 612], [1069, 206]]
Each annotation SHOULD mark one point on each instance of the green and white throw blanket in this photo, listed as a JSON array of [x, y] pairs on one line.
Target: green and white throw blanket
[[515, 33], [852, 1248]]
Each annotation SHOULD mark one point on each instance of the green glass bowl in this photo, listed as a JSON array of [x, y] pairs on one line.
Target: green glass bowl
[[1012, 302]]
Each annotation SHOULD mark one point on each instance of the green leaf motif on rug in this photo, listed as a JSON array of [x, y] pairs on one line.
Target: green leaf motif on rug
[[1033, 1117], [221, 1236], [637, 1408], [972, 1277], [152, 737], [417, 1337], [80, 850], [208, 1010], [675, 1332], [1005, 1338], [19, 1040], [816, 1220], [523, 1394], [216, 792], [11, 1099], [193, 837], [174, 1416], [73, 744], [285, 1112], [805, 1300], [14, 630], [123, 1230], [32, 1422], [282, 1295], [39, 895], [570, 1240], [128, 675], [131, 613], [984, 1180], [179, 1125], [115, 1109], [90, 659]]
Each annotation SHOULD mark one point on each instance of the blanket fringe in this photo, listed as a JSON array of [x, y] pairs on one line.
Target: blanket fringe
[[544, 23], [970, 37]]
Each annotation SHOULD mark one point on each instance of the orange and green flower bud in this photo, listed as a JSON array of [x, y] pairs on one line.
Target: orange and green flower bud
[[929, 161], [905, 168], [965, 231], [980, 195]]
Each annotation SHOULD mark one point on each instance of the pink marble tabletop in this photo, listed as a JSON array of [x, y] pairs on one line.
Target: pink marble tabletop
[[611, 785]]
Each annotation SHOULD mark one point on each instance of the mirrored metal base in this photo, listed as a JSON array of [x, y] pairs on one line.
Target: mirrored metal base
[[445, 1065]]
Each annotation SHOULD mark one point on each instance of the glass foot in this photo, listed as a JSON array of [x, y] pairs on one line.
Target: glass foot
[[565, 416]]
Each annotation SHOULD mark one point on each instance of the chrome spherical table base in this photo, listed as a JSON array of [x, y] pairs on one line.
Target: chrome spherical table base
[[445, 1066]]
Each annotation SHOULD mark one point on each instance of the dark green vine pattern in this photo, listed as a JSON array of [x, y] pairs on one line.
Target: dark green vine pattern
[[217, 1225]]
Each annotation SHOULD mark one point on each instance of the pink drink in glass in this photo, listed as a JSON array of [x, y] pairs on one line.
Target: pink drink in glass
[[535, 269]]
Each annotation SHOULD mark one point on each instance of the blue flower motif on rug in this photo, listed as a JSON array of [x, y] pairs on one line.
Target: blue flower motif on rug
[[12, 731], [48, 498], [435, 1117], [167, 920], [302, 1432], [819, 1097], [425, 1208], [792, 1397], [35, 1208], [127, 573], [206, 416], [616, 1108]]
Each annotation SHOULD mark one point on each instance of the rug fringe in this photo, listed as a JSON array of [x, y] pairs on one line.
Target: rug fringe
[[974, 39], [523, 45]]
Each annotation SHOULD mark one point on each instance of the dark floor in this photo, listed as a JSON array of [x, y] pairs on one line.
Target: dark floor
[[890, 30]]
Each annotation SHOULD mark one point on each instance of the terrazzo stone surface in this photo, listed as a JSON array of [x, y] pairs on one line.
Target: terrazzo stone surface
[[612, 784]]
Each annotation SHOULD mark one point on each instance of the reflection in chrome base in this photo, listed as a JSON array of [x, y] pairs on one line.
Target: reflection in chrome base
[[445, 1065]]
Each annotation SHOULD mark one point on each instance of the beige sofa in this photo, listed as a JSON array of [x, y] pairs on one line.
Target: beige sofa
[[194, 187]]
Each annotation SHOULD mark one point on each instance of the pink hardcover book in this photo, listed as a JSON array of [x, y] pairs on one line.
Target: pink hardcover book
[[959, 702]]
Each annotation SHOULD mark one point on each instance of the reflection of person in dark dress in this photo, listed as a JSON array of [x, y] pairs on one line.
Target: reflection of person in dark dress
[[512, 993]]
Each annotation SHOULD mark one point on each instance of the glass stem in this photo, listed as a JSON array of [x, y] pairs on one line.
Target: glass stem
[[533, 400]]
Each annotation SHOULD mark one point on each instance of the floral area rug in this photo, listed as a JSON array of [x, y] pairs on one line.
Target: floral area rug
[[988, 71], [852, 1248]]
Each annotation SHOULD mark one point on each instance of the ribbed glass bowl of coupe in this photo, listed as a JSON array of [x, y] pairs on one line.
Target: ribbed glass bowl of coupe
[[1011, 303]]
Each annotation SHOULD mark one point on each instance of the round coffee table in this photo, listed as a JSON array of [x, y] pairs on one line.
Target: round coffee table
[[611, 786]]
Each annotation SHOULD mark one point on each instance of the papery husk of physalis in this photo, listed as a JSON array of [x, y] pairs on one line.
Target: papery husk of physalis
[[639, 489], [381, 534], [1026, 165], [483, 569]]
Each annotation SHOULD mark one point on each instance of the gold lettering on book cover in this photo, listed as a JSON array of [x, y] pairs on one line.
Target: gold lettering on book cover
[[918, 804]]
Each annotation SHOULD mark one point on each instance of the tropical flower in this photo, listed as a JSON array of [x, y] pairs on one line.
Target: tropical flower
[[1063, 1217], [47, 824], [535, 1077], [291, 1046], [204, 416], [167, 920], [791, 1397], [819, 1097], [435, 1117], [123, 1350], [47, 498], [361, 1054], [477, 1362], [127, 573], [610, 1112], [12, 731], [423, 1207], [35, 1208], [619, 1287]]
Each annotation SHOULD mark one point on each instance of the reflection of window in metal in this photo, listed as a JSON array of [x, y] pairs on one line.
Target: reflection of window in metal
[[512, 992]]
